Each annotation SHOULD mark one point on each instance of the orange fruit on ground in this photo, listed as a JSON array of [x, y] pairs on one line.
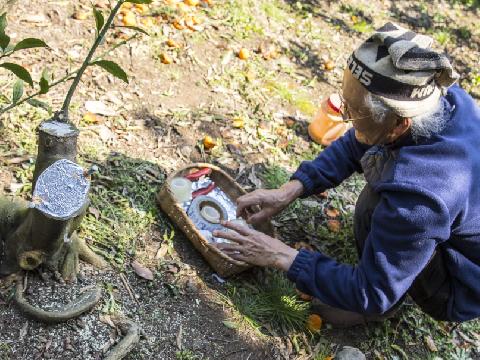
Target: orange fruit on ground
[[141, 8], [208, 142], [165, 58], [177, 25], [244, 54], [129, 19], [208, 2], [172, 43], [192, 2], [90, 118], [329, 65], [196, 20], [314, 323], [127, 5]]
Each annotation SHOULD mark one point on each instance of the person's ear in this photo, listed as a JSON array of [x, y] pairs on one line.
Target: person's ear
[[401, 126]]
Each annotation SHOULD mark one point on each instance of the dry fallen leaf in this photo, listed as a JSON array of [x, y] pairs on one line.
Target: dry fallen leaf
[[106, 319], [98, 107], [80, 15], [162, 251], [238, 123], [95, 212], [430, 344], [314, 323], [142, 271], [333, 225]]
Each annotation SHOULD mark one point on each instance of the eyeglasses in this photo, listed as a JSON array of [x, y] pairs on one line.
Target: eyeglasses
[[345, 113]]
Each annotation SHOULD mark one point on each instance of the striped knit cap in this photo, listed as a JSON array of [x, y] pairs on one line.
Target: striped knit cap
[[399, 67]]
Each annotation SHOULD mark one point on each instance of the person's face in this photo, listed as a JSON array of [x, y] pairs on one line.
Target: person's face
[[367, 131]]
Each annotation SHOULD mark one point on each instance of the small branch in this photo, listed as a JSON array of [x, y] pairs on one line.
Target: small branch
[[86, 62]]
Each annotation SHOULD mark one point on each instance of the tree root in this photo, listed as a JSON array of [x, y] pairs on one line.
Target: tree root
[[82, 304], [87, 255], [78, 249], [130, 340]]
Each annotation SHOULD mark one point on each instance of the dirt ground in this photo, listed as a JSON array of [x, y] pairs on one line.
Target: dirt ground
[[157, 124]]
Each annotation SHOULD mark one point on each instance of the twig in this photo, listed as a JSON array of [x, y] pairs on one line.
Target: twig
[[179, 338], [234, 352], [128, 287]]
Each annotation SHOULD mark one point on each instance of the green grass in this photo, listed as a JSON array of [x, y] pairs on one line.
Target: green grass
[[297, 97], [187, 355], [272, 301], [124, 194]]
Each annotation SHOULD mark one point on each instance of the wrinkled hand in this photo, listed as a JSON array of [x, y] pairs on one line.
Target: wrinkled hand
[[255, 248], [261, 205]]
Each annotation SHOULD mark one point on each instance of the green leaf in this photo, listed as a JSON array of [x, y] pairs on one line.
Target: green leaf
[[3, 23], [19, 71], [4, 41], [113, 68], [140, 1], [136, 28], [99, 19], [44, 81], [4, 38], [29, 43], [17, 91], [39, 104]]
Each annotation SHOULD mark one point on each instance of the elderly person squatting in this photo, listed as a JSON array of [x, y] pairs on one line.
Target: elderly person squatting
[[416, 139]]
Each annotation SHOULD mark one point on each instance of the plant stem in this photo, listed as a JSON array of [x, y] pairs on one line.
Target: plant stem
[[68, 76], [86, 62]]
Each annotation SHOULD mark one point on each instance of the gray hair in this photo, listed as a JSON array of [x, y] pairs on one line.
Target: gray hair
[[423, 126]]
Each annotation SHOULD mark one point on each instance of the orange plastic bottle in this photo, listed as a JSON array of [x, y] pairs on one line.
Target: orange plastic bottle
[[328, 125]]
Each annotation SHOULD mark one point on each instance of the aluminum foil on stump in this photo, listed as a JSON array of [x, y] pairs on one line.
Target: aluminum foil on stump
[[61, 190]]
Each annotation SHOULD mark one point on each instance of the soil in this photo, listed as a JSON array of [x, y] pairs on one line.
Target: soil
[[162, 116]]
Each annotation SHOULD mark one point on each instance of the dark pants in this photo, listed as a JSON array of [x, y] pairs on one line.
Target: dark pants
[[431, 288]]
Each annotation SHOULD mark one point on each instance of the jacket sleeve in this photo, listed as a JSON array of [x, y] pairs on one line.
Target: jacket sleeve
[[336, 163], [406, 226]]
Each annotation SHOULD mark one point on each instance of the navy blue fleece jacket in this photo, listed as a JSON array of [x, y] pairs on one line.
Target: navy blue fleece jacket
[[430, 196]]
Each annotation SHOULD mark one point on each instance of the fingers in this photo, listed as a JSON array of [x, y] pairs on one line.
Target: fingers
[[232, 250], [228, 248], [229, 235], [242, 230], [261, 216], [244, 203]]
